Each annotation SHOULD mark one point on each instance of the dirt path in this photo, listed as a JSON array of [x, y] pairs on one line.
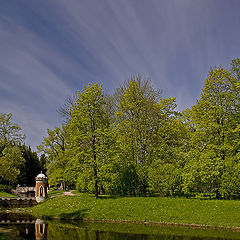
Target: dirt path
[[69, 193]]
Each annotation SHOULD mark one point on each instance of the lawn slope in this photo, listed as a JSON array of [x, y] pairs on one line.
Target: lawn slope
[[152, 209], [5, 194]]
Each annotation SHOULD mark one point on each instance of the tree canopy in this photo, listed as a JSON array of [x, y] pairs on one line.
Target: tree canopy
[[10, 155], [135, 142]]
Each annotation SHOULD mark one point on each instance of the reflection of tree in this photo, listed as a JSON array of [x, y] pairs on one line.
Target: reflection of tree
[[97, 235]]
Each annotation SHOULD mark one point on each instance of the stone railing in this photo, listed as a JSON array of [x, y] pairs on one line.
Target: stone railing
[[17, 202]]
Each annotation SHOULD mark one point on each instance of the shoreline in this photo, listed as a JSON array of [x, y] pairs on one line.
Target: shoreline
[[151, 223], [90, 220], [179, 212]]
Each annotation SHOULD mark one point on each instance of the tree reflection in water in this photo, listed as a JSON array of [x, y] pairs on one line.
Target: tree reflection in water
[[66, 230]]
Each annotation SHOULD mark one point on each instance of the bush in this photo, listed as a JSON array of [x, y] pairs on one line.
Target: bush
[[205, 196], [5, 188]]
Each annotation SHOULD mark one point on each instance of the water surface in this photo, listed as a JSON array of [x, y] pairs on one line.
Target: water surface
[[22, 227]]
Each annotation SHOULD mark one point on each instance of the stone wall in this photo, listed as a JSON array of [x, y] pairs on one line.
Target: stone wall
[[16, 218], [24, 192], [17, 202]]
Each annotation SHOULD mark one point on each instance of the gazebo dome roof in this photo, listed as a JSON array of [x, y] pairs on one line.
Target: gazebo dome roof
[[41, 176]]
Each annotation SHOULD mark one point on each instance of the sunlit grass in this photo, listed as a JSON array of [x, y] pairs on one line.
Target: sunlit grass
[[5, 194], [154, 209], [76, 192]]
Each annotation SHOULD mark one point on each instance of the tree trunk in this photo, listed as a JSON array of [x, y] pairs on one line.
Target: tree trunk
[[145, 190], [96, 183], [95, 164], [134, 192], [97, 235]]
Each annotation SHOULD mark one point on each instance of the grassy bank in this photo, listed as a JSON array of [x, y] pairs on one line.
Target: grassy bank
[[5, 194], [152, 209]]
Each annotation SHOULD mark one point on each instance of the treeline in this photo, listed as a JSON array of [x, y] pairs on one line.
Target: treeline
[[135, 142], [18, 163]]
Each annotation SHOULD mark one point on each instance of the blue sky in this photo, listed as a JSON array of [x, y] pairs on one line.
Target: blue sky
[[50, 49]]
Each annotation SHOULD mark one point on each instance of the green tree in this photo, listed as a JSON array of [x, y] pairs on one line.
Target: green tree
[[230, 180], [43, 162], [235, 68], [89, 136], [214, 117], [10, 155], [137, 117], [170, 149], [55, 148], [31, 167], [164, 178]]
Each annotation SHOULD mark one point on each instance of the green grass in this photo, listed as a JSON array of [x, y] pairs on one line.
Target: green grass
[[155, 209], [5, 194], [76, 192], [52, 193]]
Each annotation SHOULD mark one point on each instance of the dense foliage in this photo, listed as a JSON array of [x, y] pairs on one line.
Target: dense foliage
[[18, 164], [10, 155], [135, 142]]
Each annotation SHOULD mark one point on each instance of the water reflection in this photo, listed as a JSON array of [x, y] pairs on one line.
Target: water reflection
[[40, 229], [23, 227]]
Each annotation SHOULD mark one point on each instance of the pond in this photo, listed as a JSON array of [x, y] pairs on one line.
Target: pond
[[26, 227]]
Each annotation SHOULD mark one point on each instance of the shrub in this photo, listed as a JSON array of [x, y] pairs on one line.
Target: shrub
[[205, 196], [5, 188]]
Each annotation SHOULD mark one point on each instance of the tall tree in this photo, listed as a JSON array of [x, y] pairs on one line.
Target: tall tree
[[65, 110], [170, 150], [31, 167], [89, 131], [55, 147], [137, 122], [215, 116], [43, 162]]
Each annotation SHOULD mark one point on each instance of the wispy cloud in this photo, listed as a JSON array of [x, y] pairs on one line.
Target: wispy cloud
[[34, 126], [29, 87], [51, 48]]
